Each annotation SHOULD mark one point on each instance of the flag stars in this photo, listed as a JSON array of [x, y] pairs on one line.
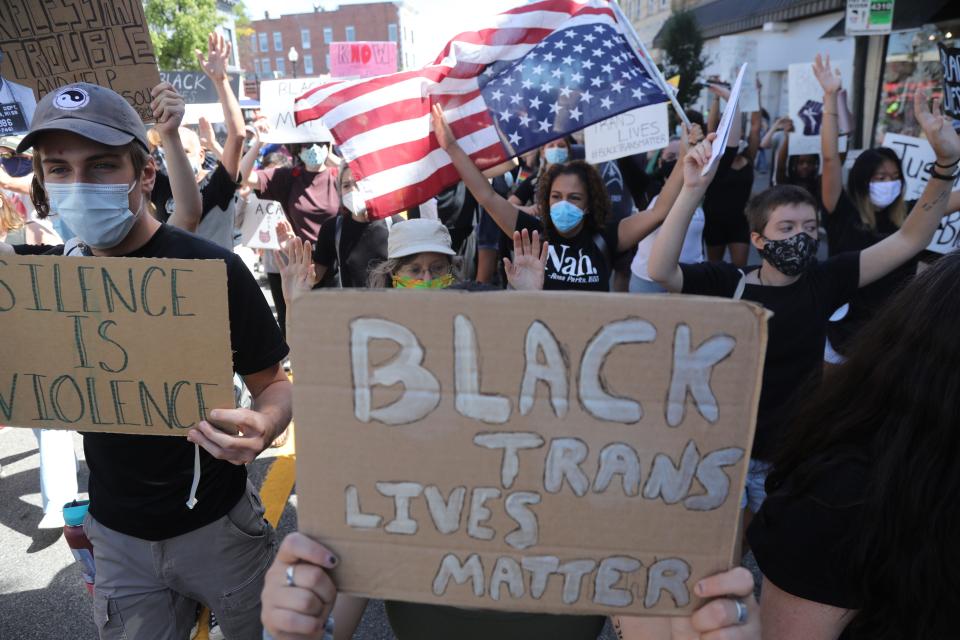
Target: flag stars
[[496, 95], [535, 103], [568, 61], [638, 93], [606, 103], [616, 86], [549, 57], [505, 116], [525, 120], [586, 96], [514, 138], [555, 108], [508, 81], [596, 82], [576, 78], [575, 114], [557, 73], [565, 92], [538, 70], [588, 64], [607, 68], [544, 125], [515, 98], [546, 87], [589, 38], [526, 84], [598, 28], [608, 44], [560, 45], [597, 52], [578, 48]]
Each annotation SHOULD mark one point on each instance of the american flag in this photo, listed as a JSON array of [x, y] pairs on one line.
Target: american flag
[[534, 74]]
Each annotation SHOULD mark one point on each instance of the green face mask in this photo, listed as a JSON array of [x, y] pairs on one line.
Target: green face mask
[[402, 282]]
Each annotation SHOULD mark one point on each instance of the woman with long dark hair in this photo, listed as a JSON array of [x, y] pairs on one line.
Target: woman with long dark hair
[[871, 208], [859, 531]]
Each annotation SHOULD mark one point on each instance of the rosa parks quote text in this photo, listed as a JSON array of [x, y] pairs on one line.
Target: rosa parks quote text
[[120, 345], [530, 451]]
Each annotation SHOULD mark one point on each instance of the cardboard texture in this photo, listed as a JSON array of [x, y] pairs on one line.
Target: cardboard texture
[[637, 131], [259, 222], [276, 104], [119, 345], [46, 45], [362, 59], [600, 505]]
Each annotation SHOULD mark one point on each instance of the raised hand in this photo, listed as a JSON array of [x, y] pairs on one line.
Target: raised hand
[[218, 57], [525, 272], [284, 234], [168, 108], [938, 129], [690, 136], [441, 128], [719, 90], [207, 137], [695, 160], [297, 274], [828, 78]]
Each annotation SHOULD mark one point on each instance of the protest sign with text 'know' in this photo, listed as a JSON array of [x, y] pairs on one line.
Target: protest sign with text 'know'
[[98, 344], [574, 453]]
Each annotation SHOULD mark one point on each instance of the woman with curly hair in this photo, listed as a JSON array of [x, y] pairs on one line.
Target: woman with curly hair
[[573, 215]]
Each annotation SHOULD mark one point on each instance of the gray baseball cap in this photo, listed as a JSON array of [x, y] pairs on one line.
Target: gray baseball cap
[[90, 111]]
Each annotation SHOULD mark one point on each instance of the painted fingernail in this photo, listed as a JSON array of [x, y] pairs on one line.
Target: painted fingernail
[[698, 589], [332, 560]]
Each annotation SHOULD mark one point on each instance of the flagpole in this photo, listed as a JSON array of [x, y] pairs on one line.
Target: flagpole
[[638, 48]]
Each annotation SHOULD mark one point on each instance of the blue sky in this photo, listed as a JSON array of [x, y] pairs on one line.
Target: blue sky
[[439, 20]]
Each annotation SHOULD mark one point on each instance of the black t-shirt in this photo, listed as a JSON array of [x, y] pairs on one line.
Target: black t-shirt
[[139, 485], [846, 232], [580, 263], [803, 542], [797, 329], [216, 190], [362, 246], [728, 194]]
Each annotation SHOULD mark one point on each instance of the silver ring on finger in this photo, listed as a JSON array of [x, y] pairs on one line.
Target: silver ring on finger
[[289, 574], [741, 611]]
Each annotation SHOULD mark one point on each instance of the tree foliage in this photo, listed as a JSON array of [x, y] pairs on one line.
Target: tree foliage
[[178, 27], [683, 45]]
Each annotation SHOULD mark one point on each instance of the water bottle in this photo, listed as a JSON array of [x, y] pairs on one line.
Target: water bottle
[[73, 514]]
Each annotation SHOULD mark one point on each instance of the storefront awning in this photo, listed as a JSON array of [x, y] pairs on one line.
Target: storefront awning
[[721, 18], [911, 14]]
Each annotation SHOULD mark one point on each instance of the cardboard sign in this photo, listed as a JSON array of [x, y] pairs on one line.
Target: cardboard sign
[[196, 87], [917, 156], [532, 451], [806, 106], [950, 59], [213, 112], [734, 52], [629, 133], [362, 59], [276, 104], [260, 218], [868, 17], [726, 120], [98, 344], [46, 45]]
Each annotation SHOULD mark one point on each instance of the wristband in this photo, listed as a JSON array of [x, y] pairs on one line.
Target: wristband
[[949, 165], [943, 176]]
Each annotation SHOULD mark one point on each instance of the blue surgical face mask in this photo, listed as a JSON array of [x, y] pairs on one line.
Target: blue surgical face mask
[[556, 155], [565, 215], [98, 213]]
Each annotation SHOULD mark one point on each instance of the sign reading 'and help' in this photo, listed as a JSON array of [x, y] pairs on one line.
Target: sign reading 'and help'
[[575, 453], [129, 345]]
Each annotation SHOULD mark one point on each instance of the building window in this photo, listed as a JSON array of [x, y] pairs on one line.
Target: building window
[[351, 33], [228, 36], [305, 38], [327, 35], [277, 41], [263, 41], [280, 68], [392, 32], [308, 65], [651, 7], [253, 42], [326, 61], [256, 66], [664, 4], [265, 66]]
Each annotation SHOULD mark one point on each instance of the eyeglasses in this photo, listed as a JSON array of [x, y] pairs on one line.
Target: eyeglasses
[[415, 271]]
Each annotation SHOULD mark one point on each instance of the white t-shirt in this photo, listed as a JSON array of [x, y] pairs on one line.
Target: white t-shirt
[[691, 253]]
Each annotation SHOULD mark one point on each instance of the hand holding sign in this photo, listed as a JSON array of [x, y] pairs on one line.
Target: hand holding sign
[[235, 435], [298, 593], [726, 120], [698, 171]]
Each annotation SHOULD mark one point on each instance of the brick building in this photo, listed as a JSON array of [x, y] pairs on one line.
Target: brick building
[[265, 53]]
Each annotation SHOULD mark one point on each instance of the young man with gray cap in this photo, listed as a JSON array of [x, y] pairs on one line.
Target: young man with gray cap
[[159, 544]]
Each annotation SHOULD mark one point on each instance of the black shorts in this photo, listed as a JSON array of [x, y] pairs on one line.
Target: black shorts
[[725, 226]]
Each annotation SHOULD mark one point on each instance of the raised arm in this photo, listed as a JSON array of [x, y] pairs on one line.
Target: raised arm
[[208, 139], [713, 116], [247, 175], [783, 157], [753, 138], [215, 66], [664, 263], [638, 226], [502, 212], [832, 181], [918, 229], [168, 108], [778, 125]]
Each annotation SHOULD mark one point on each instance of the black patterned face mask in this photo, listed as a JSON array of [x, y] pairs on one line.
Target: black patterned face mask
[[793, 255]]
